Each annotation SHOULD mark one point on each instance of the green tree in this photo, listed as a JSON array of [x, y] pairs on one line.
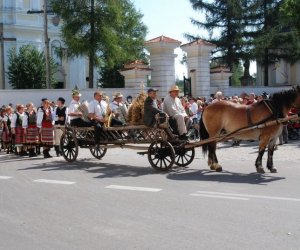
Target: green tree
[[237, 73], [108, 32], [290, 11], [223, 21], [274, 39], [26, 69], [131, 37]]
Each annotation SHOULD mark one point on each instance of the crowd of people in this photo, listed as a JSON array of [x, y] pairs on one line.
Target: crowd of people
[[26, 128]]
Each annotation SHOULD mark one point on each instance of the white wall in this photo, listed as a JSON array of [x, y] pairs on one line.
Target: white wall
[[35, 95], [231, 91]]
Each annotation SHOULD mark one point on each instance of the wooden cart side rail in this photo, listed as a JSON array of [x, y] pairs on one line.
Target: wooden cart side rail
[[127, 146], [231, 135]]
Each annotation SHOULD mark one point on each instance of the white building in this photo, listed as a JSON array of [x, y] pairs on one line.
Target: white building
[[280, 73], [19, 28]]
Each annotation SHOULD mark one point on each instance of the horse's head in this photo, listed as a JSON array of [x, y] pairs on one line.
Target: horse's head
[[296, 103]]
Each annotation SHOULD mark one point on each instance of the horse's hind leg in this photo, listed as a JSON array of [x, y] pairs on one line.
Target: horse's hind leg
[[212, 157], [271, 148], [258, 162], [263, 142]]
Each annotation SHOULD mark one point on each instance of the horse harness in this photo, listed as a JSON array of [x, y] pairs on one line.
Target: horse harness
[[271, 107]]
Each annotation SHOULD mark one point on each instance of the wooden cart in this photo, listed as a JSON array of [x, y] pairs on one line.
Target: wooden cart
[[163, 148]]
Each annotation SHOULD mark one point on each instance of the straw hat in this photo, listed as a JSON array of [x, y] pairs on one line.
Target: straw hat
[[75, 92], [174, 88], [117, 95]]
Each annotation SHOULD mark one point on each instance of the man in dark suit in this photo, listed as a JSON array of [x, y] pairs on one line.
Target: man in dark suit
[[151, 109]]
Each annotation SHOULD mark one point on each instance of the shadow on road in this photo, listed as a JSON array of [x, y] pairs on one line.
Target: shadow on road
[[225, 176], [105, 170]]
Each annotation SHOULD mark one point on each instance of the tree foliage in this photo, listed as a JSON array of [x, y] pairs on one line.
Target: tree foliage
[[223, 22], [290, 11], [248, 30], [27, 70], [108, 32]]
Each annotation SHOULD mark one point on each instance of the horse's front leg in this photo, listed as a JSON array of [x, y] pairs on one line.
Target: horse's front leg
[[258, 162], [270, 165]]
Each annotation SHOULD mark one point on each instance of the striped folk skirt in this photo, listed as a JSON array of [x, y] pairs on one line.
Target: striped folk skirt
[[6, 136], [32, 135], [47, 133], [19, 138]]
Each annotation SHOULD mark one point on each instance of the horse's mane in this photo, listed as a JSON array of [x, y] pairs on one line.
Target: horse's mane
[[284, 99]]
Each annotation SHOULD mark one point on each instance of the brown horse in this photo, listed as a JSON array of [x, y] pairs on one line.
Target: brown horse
[[228, 117]]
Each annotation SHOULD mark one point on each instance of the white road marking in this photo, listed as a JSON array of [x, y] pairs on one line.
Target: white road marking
[[220, 197], [55, 182], [144, 189], [5, 177], [248, 196]]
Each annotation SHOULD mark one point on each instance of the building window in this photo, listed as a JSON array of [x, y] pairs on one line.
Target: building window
[[56, 51]]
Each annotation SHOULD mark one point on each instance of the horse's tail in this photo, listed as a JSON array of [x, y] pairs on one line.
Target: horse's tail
[[203, 135]]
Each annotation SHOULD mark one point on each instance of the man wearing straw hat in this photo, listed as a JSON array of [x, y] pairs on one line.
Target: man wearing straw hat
[[173, 107]]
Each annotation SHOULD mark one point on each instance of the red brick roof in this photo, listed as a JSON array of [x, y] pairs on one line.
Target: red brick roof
[[219, 69], [198, 42], [137, 64], [162, 39]]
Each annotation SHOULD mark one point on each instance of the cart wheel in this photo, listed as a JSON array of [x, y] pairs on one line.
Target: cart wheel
[[69, 146], [161, 155], [184, 156], [97, 151]]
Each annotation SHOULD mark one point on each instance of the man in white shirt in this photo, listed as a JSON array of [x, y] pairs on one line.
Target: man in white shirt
[[194, 110], [173, 107], [96, 111], [75, 116]]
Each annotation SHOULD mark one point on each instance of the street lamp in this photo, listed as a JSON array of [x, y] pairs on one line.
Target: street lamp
[[46, 38]]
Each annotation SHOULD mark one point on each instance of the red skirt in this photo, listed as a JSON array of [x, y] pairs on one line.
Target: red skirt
[[32, 134], [19, 139], [6, 136], [47, 133]]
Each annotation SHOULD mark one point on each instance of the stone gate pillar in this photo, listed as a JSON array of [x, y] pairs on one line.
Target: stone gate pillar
[[162, 62], [219, 79], [136, 73], [198, 56]]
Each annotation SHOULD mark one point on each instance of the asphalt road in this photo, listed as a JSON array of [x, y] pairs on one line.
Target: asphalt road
[[120, 202]]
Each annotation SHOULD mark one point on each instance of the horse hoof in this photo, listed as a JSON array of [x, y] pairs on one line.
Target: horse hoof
[[273, 170], [260, 170], [216, 167]]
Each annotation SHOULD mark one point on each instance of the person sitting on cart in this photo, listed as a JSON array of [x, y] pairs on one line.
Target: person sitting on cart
[[75, 116], [174, 109], [116, 108], [151, 109]]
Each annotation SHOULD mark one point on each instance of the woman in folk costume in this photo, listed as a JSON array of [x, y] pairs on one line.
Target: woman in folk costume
[[17, 130], [60, 120], [31, 130], [6, 129], [45, 124]]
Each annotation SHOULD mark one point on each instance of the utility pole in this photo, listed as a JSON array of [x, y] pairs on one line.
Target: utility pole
[[2, 56], [47, 51], [46, 38]]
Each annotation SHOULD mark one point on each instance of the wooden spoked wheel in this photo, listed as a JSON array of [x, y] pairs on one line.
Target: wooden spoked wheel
[[98, 151], [183, 156], [69, 146], [161, 155]]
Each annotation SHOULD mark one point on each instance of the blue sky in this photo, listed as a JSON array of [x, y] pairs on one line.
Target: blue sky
[[172, 18], [168, 17]]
